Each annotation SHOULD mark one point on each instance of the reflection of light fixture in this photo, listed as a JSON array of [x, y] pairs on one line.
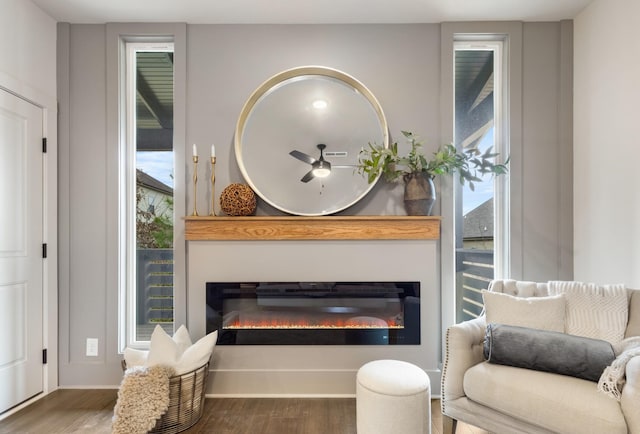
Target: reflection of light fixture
[[321, 169], [319, 104]]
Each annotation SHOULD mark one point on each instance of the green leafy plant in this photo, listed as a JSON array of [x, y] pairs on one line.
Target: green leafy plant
[[470, 164], [152, 231]]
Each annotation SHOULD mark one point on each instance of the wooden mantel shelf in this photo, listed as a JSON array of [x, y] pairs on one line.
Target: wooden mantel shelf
[[312, 228]]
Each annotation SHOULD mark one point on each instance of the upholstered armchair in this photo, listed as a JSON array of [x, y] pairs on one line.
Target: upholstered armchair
[[508, 399]]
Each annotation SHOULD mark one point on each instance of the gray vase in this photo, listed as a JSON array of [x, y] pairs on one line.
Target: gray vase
[[419, 194]]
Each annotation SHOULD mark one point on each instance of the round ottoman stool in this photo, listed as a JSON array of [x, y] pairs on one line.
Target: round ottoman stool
[[392, 397]]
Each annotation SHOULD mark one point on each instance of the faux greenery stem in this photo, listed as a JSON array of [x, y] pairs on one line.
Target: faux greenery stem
[[470, 164]]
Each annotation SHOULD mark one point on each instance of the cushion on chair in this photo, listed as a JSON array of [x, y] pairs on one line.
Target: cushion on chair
[[555, 402], [594, 311], [544, 313], [519, 288], [547, 351]]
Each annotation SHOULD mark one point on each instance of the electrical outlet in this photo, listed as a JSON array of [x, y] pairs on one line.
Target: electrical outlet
[[92, 347]]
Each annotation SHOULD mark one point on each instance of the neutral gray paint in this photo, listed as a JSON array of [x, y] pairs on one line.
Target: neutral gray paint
[[400, 64], [547, 167], [227, 63], [83, 213], [566, 161]]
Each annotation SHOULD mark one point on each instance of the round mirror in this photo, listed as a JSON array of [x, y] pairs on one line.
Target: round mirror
[[298, 137]]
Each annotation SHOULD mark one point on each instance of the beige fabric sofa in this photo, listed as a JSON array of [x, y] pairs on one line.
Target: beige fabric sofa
[[504, 399]]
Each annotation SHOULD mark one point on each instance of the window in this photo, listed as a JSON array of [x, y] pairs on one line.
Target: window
[[480, 213], [146, 194]]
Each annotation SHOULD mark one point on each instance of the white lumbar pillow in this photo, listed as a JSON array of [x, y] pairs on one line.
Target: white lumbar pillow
[[544, 313]]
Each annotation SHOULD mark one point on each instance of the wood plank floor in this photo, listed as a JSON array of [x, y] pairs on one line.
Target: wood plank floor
[[89, 411]]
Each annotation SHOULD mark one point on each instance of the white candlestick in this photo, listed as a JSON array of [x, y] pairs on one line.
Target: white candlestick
[[213, 151], [195, 150]]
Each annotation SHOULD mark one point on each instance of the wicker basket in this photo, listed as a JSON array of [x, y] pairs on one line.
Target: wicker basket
[[186, 401]]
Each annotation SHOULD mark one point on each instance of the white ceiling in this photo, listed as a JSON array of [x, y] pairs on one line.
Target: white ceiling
[[309, 11]]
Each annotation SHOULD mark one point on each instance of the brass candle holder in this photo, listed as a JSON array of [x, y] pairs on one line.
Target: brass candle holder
[[195, 185], [213, 184]]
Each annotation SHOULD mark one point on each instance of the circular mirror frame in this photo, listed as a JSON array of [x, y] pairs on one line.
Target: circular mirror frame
[[275, 82]]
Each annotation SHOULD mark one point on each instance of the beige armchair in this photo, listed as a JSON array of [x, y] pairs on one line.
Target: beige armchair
[[505, 399]]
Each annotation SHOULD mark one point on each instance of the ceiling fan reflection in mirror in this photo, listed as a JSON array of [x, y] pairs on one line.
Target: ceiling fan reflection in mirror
[[278, 117], [320, 168]]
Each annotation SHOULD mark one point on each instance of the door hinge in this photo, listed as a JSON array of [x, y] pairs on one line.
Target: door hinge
[[44, 356], [44, 250], [44, 145]]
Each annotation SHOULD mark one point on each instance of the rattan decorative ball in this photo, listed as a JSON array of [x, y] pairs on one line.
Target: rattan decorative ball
[[238, 200]]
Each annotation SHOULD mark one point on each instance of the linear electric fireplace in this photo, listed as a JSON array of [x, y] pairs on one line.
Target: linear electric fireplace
[[314, 313]]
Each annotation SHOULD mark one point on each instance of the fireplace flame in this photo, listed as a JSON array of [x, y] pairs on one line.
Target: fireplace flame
[[282, 322]]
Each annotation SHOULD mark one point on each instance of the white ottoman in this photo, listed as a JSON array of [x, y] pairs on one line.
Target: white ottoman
[[392, 397]]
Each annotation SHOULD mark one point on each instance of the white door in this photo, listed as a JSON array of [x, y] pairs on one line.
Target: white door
[[21, 264]]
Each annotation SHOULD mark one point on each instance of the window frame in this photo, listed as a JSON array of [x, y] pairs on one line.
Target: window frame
[[116, 35], [511, 32], [501, 146], [127, 188]]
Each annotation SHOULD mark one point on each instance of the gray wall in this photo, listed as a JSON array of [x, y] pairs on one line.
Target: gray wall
[[400, 64], [547, 157], [226, 63]]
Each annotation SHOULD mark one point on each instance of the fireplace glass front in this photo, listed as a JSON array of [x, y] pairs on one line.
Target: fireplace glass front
[[314, 313]]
